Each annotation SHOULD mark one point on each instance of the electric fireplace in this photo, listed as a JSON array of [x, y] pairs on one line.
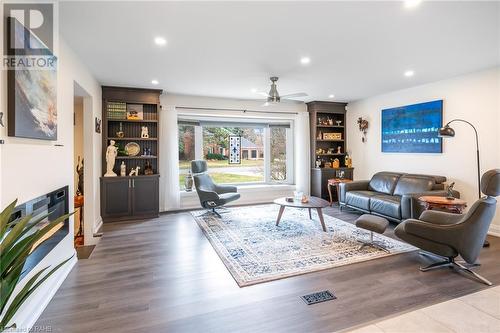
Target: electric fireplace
[[53, 204]]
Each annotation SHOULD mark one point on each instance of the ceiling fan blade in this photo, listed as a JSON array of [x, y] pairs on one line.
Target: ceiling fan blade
[[263, 93], [295, 95]]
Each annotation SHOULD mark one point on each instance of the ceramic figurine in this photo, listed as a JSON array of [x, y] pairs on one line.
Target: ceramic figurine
[[148, 168], [123, 169], [111, 153], [339, 150], [144, 132], [336, 163], [134, 172], [188, 182], [449, 191]]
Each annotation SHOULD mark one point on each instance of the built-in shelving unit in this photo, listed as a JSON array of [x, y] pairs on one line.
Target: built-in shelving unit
[[130, 197], [328, 145]]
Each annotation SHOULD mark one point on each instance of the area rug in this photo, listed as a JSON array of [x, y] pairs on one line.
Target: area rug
[[255, 250]]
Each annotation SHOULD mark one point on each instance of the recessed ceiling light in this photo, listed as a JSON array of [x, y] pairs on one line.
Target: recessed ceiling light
[[409, 73], [305, 60], [331, 96], [160, 41], [155, 82], [412, 3], [254, 90]]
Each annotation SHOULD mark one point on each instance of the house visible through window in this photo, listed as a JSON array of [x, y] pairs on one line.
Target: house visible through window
[[264, 148]]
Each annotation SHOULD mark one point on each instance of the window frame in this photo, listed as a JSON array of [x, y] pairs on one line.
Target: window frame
[[267, 124]]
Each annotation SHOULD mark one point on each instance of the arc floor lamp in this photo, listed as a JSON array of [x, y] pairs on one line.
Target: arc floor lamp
[[449, 132]]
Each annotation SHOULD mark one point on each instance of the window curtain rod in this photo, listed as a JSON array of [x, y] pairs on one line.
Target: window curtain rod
[[223, 109]]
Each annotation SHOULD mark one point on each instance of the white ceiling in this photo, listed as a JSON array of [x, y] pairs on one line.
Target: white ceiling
[[225, 49]]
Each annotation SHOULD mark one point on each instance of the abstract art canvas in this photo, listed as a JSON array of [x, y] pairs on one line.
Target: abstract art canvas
[[234, 149], [412, 128], [32, 94]]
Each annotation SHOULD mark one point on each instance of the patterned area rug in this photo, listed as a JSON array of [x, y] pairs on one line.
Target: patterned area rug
[[255, 250]]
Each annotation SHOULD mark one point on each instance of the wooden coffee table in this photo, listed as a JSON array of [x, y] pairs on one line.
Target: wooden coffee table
[[314, 203], [431, 202]]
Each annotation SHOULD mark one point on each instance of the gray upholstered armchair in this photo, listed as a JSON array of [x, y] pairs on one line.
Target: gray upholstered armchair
[[211, 195], [450, 235]]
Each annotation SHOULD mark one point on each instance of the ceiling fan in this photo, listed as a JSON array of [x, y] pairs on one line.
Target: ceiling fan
[[274, 97]]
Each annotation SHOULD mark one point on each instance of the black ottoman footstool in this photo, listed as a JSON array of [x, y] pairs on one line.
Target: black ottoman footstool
[[373, 224]]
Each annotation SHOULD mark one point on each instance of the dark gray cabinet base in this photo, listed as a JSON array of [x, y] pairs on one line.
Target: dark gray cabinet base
[[129, 198]]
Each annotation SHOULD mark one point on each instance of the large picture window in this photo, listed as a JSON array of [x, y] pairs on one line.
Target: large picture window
[[266, 151]]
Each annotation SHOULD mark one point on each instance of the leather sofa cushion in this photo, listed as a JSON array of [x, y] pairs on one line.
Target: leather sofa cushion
[[413, 184], [386, 205], [384, 182], [435, 179], [359, 199]]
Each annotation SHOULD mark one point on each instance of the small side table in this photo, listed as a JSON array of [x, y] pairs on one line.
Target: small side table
[[336, 182], [431, 202], [79, 205]]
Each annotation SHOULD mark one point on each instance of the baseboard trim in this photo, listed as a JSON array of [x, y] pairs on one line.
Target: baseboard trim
[[494, 230], [38, 310], [97, 226]]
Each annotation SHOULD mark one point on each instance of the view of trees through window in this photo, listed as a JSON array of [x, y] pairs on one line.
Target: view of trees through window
[[212, 144]]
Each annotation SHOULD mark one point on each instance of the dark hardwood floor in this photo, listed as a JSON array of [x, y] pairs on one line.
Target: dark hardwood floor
[[162, 275]]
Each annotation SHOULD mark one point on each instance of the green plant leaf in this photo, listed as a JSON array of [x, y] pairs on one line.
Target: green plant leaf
[[13, 236], [26, 291], [8, 258], [5, 216], [8, 284]]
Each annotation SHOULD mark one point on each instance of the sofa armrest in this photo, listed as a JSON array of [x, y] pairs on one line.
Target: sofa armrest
[[438, 217], [352, 186], [410, 206], [221, 189]]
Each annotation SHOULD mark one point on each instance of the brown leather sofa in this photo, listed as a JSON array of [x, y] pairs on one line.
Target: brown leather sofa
[[392, 195]]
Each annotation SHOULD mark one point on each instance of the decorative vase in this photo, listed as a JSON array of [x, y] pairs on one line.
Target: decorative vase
[[188, 182]]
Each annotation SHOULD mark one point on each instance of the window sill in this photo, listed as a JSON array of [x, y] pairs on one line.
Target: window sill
[[250, 188]]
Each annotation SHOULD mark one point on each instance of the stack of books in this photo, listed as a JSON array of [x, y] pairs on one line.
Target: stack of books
[[117, 110]]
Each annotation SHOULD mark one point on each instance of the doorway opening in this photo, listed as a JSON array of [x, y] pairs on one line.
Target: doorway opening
[[85, 235]]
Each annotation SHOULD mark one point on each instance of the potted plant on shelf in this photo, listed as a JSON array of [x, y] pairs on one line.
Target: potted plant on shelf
[[18, 239]]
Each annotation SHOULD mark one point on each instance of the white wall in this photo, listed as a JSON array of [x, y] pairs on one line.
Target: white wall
[[473, 97], [259, 193], [30, 168]]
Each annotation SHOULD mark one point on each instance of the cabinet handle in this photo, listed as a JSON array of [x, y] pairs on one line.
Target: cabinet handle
[[133, 183], [129, 183]]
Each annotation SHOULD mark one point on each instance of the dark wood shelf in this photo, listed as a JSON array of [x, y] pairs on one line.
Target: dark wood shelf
[[132, 121], [336, 154], [329, 140], [136, 157], [330, 126], [133, 139]]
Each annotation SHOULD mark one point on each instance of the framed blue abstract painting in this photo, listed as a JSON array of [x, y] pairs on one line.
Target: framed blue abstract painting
[[413, 128]]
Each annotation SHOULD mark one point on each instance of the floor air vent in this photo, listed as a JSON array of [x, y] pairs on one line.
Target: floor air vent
[[318, 297]]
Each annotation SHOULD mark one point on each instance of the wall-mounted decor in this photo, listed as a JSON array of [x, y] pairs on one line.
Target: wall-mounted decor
[[31, 93], [363, 127], [98, 123], [234, 149], [412, 128], [135, 112], [332, 136]]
